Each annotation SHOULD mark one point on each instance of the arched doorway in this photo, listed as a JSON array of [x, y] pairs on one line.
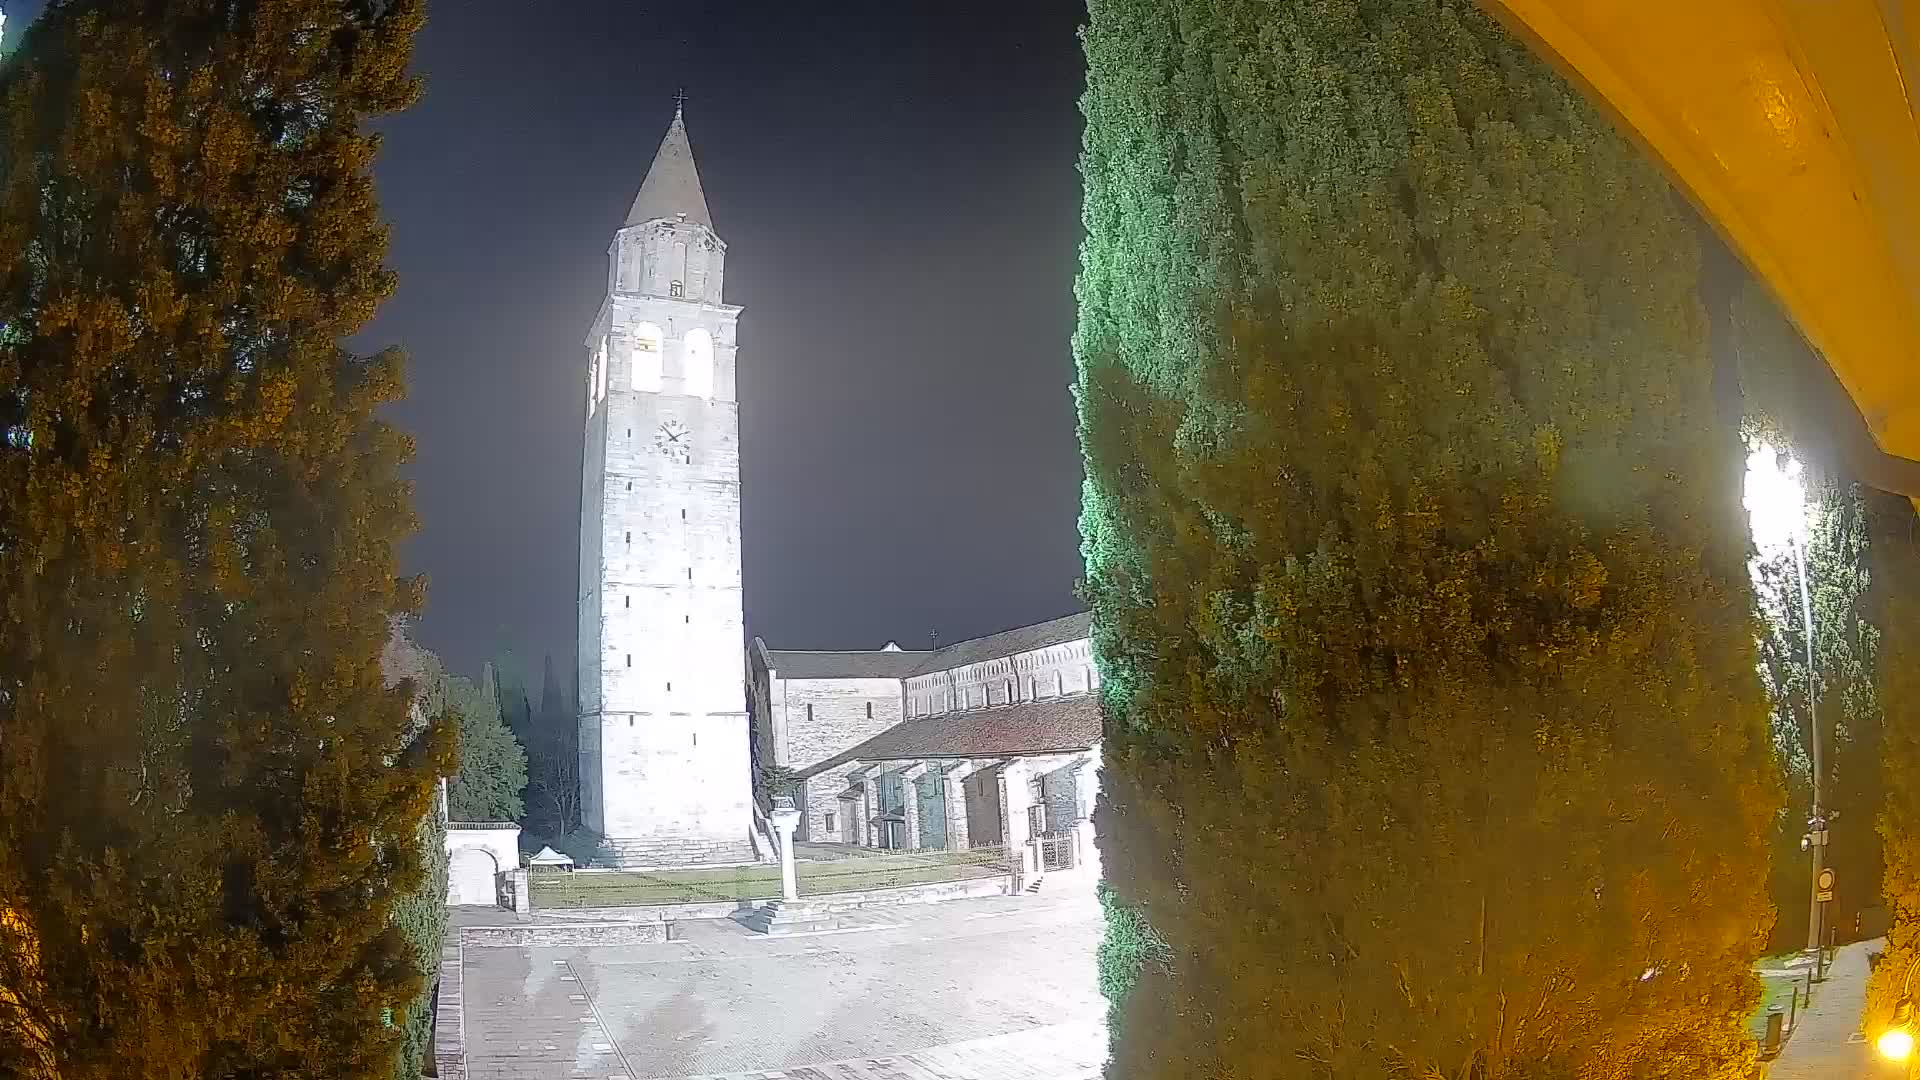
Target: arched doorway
[[472, 875]]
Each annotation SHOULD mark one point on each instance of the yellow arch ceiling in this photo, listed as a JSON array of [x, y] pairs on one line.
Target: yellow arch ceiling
[[1791, 124]]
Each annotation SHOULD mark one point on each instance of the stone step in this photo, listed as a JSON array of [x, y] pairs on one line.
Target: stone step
[[777, 918]]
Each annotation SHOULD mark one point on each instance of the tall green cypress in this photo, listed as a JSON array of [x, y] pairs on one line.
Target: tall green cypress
[[1435, 745]]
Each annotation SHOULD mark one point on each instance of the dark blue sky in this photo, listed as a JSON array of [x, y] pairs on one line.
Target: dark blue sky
[[896, 185]]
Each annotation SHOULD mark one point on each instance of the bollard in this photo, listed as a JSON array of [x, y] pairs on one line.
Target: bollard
[[1770, 1045]]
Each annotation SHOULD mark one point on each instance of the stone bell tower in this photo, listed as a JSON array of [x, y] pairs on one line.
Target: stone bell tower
[[664, 760]]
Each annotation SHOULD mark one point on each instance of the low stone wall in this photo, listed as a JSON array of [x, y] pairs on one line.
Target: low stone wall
[[449, 1021], [706, 909], [929, 893], [563, 935]]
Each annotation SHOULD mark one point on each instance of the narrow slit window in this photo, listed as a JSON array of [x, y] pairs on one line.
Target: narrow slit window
[[869, 710], [629, 659], [626, 601]]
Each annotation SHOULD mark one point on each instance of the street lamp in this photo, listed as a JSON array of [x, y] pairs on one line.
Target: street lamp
[[1776, 503], [1896, 1043]]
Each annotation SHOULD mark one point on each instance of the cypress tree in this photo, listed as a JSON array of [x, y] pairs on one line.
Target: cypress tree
[[1894, 556], [209, 798], [493, 767], [1434, 741]]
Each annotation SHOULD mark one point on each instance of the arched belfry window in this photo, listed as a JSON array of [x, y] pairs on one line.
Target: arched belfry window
[[698, 360], [648, 348], [600, 370]]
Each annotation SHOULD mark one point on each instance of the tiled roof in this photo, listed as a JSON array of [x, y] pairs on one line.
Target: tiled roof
[[1030, 727], [863, 664], [1008, 643]]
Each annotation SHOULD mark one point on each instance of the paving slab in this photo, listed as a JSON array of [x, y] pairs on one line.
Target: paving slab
[[1001, 987], [1827, 1043]]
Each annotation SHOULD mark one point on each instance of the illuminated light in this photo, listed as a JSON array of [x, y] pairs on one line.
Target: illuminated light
[[1896, 1044], [1776, 502]]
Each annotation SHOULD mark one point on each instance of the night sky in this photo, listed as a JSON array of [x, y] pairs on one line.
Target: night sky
[[896, 186]]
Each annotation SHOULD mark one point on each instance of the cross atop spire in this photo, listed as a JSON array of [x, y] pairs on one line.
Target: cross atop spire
[[672, 190]]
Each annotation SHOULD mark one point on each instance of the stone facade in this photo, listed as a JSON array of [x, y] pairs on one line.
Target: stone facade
[[948, 748], [813, 719], [665, 761], [478, 853]]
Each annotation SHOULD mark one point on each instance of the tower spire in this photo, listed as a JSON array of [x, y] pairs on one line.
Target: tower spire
[[672, 187]]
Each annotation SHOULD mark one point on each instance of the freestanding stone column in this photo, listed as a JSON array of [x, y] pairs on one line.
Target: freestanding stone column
[[785, 820]]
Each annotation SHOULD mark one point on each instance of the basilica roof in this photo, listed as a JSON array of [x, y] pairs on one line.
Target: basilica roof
[[895, 663], [1029, 727], [1013, 642], [861, 664]]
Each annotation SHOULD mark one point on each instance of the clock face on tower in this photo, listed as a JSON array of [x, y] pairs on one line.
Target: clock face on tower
[[674, 441]]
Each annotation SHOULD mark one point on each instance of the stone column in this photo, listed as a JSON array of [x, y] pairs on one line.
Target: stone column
[[1014, 800], [910, 793], [953, 793], [785, 819], [870, 803]]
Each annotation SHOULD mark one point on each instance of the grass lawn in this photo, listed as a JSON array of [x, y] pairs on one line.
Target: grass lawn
[[867, 870], [1774, 990]]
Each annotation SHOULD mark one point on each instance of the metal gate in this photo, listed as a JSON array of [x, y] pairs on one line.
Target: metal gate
[[1056, 851]]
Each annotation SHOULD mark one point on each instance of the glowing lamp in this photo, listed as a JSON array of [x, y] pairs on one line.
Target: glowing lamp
[[1896, 1043]]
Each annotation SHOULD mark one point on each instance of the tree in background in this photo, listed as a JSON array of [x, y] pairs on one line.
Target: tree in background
[[1845, 704], [511, 691], [1775, 363], [210, 800], [1435, 744], [493, 766], [553, 758]]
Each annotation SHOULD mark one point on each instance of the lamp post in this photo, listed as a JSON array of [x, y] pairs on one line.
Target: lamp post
[[1778, 505], [1817, 818]]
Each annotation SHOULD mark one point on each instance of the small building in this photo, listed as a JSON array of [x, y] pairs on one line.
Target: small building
[[991, 741]]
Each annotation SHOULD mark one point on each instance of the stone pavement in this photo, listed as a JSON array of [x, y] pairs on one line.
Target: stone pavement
[[1000, 987], [1056, 1052], [1827, 1043]]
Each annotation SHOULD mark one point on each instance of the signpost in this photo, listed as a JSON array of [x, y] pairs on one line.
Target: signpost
[[1824, 891]]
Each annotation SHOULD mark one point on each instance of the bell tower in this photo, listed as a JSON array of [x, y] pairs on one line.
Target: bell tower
[[664, 760]]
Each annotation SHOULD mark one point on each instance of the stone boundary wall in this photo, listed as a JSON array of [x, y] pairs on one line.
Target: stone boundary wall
[[563, 935], [449, 1016], [930, 893]]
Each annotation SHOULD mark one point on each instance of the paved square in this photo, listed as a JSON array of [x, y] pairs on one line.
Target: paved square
[[999, 987]]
